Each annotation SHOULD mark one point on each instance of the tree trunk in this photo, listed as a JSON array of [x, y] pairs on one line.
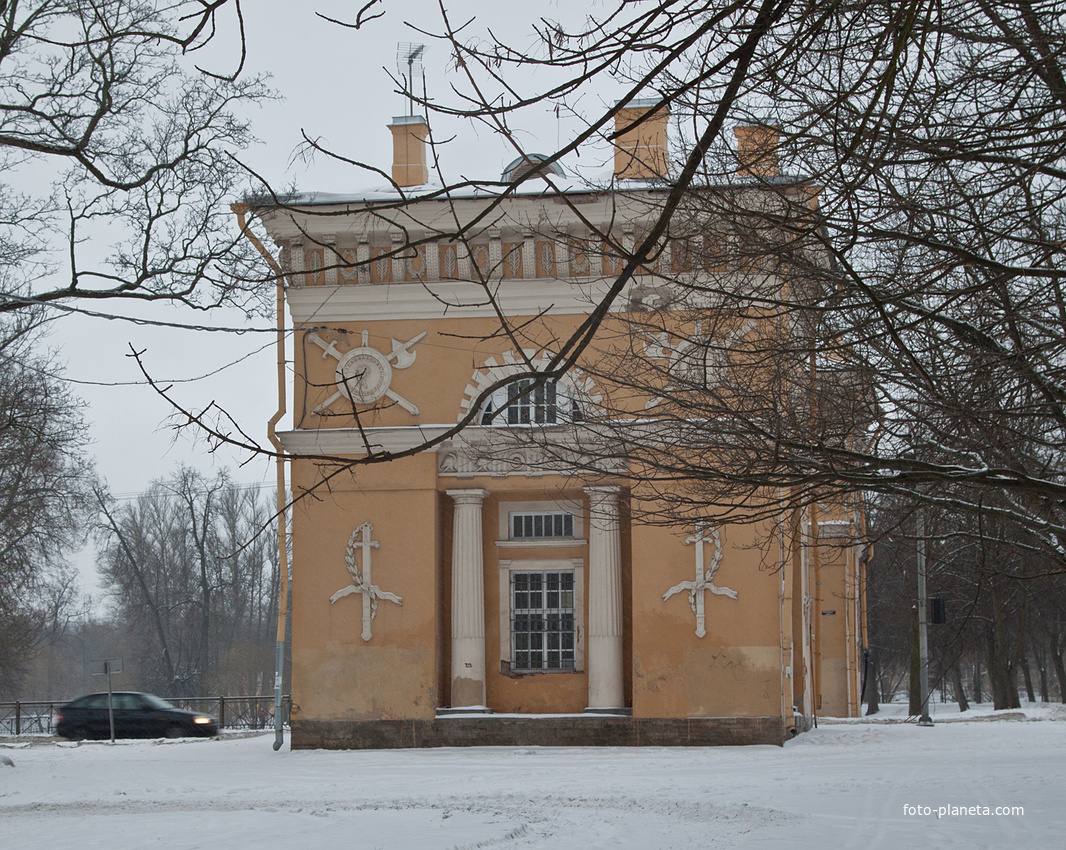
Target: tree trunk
[[976, 681], [1040, 657], [1001, 673], [1060, 673], [1028, 676], [960, 694], [872, 706]]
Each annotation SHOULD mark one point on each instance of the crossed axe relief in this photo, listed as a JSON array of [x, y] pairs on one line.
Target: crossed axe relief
[[704, 578], [364, 374], [361, 581]]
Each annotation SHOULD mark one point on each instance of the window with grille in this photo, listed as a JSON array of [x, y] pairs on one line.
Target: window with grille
[[542, 525], [542, 620], [526, 403]]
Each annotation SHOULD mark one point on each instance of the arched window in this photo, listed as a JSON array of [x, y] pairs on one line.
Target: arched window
[[524, 402]]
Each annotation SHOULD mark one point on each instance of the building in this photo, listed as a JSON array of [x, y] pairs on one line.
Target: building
[[481, 590]]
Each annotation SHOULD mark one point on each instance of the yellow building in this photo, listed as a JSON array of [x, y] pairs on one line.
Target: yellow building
[[477, 588]]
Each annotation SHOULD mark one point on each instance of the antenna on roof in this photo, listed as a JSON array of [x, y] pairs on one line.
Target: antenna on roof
[[409, 63]]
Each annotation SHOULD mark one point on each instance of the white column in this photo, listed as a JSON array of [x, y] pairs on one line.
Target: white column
[[605, 601], [468, 601]]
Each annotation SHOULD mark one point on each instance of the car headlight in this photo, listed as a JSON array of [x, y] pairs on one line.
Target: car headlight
[[202, 720]]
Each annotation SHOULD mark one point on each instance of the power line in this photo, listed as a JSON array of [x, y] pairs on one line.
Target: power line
[[114, 317], [243, 488]]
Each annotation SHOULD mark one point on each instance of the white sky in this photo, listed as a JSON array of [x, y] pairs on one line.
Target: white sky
[[332, 83]]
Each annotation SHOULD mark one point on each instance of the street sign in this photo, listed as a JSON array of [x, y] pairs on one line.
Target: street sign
[[108, 668], [102, 668]]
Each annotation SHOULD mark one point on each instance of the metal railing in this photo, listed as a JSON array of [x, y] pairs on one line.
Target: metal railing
[[233, 712]]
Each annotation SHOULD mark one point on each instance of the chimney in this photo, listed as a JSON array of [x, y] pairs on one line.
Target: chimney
[[409, 134], [641, 153], [757, 150]]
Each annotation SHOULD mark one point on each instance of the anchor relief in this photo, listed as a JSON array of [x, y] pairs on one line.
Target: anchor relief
[[361, 582], [704, 579]]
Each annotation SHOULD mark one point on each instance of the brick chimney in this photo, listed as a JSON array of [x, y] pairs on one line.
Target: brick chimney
[[409, 134], [757, 150], [641, 152]]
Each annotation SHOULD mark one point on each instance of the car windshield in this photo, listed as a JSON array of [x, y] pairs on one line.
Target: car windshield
[[156, 702]]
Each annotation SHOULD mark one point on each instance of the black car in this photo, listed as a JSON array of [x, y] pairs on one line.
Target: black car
[[136, 716]]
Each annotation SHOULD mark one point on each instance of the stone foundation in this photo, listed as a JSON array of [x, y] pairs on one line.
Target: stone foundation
[[539, 731]]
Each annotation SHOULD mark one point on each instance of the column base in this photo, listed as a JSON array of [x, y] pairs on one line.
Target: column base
[[473, 709], [618, 712]]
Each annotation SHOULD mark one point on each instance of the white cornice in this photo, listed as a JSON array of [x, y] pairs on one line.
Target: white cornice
[[312, 305], [334, 442]]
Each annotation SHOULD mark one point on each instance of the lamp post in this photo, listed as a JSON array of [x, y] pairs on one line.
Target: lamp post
[[923, 625]]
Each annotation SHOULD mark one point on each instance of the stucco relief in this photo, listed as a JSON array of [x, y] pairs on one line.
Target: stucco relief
[[361, 580], [469, 461], [698, 361], [364, 374], [704, 577], [350, 271], [501, 455]]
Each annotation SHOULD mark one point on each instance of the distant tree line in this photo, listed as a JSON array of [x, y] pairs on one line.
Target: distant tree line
[[190, 597], [188, 573], [1003, 638]]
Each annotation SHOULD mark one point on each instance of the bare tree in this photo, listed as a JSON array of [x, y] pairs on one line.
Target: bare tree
[[116, 160], [45, 482], [110, 136], [203, 602]]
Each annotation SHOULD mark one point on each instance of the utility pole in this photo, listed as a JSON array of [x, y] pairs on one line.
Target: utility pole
[[923, 625]]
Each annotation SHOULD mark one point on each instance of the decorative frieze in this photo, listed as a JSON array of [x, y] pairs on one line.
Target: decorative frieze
[[349, 272], [330, 259], [298, 254], [399, 261], [470, 461], [362, 254]]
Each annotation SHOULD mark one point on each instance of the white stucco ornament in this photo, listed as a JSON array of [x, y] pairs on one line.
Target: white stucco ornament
[[696, 362], [364, 374], [704, 578], [361, 581]]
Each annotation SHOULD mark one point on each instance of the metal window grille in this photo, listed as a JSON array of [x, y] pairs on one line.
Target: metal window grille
[[542, 525], [542, 620], [526, 404]]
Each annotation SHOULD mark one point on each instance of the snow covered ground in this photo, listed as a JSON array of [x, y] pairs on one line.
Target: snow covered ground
[[845, 784]]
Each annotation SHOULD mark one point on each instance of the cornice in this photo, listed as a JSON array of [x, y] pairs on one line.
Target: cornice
[[310, 305], [333, 442]]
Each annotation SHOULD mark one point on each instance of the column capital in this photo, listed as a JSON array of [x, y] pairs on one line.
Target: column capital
[[473, 496]]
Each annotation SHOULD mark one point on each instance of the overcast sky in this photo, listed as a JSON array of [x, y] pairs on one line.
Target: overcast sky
[[334, 84]]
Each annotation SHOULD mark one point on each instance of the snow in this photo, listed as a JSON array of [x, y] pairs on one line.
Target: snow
[[844, 784]]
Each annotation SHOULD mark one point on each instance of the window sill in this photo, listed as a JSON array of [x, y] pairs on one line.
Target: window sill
[[546, 543], [505, 670]]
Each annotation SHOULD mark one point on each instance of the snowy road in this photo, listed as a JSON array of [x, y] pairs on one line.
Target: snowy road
[[842, 785]]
